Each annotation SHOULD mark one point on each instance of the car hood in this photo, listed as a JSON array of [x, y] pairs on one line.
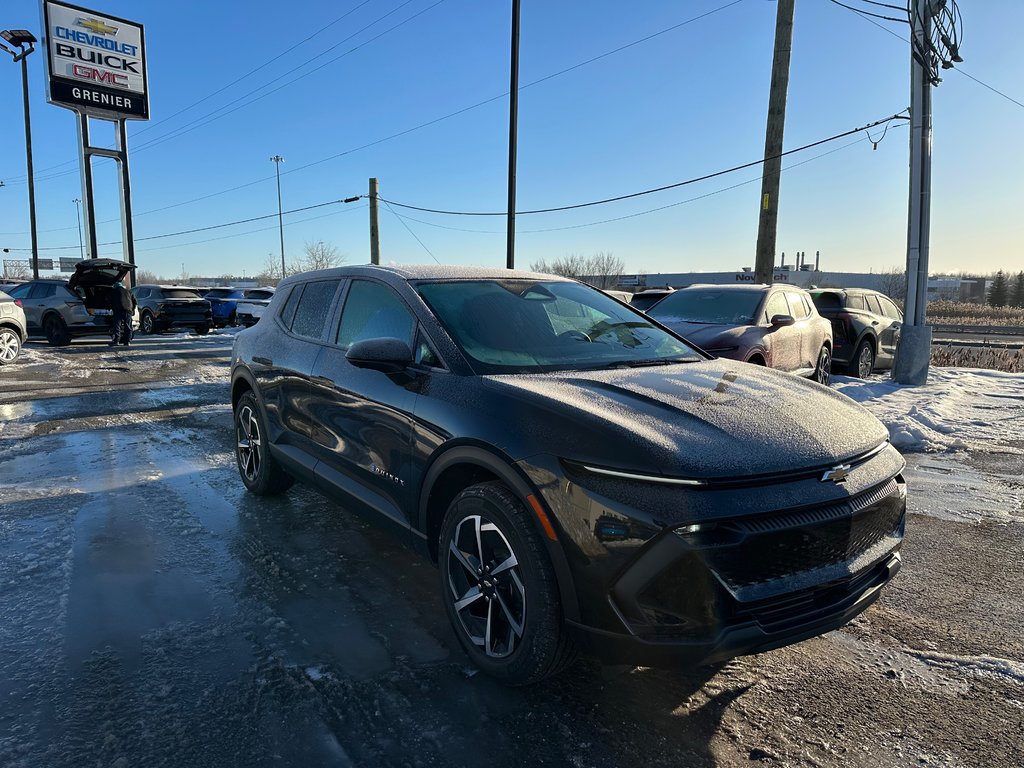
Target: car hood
[[705, 335], [713, 419], [93, 272]]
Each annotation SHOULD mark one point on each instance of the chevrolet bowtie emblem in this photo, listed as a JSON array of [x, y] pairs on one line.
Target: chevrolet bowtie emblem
[[836, 474], [97, 26]]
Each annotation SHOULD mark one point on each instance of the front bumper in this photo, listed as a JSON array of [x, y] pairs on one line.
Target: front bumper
[[699, 576]]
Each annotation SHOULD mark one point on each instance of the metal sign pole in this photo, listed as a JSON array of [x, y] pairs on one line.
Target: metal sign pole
[[125, 188], [85, 163]]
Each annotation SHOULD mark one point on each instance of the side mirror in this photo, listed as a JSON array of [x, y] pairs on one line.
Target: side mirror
[[384, 354], [781, 321]]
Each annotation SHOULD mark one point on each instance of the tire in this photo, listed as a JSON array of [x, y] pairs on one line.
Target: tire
[[260, 472], [10, 345], [863, 362], [56, 330], [823, 370], [146, 323], [202, 330], [232, 320], [527, 641]]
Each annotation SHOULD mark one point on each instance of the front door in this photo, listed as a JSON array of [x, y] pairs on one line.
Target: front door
[[782, 343], [363, 416]]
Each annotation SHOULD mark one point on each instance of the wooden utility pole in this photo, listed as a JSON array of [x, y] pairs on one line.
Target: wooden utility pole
[[764, 260], [374, 229]]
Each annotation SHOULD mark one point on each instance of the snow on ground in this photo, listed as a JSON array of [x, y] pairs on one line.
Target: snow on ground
[[959, 409]]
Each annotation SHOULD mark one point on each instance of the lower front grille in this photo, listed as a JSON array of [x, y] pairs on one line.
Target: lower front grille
[[781, 545]]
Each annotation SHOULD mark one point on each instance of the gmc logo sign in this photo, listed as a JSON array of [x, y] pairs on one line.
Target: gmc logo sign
[[91, 73]]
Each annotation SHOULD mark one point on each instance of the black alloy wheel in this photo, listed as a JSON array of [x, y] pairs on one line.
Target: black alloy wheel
[[499, 587], [10, 345], [147, 324], [823, 370], [56, 331], [260, 472], [863, 360]]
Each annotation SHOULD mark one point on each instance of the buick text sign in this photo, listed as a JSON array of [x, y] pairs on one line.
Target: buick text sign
[[96, 62]]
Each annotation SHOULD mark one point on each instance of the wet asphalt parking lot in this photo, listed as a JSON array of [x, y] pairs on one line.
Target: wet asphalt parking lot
[[152, 613]]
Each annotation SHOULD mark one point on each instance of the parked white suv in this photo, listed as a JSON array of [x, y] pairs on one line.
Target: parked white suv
[[13, 329]]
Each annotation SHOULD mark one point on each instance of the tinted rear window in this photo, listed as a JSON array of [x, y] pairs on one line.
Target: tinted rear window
[[311, 311], [259, 295], [218, 293], [180, 293], [826, 301]]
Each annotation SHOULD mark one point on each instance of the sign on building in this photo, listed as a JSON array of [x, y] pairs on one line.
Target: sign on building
[[46, 264], [96, 63], [67, 265]]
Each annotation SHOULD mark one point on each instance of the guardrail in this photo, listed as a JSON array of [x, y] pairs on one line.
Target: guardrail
[[1003, 330]]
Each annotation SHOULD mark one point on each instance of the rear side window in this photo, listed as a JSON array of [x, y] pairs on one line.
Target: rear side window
[[312, 308], [20, 291], [873, 306], [797, 307], [288, 312], [373, 311], [142, 293], [856, 302], [889, 309], [43, 291]]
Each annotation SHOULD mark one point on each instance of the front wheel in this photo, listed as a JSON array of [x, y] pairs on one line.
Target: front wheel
[[260, 471], [146, 324], [823, 370], [499, 588]]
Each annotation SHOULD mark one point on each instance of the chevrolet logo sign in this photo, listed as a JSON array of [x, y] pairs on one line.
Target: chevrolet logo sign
[[97, 26], [836, 474]]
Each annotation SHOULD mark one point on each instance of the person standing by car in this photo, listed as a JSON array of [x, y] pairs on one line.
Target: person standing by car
[[122, 302]]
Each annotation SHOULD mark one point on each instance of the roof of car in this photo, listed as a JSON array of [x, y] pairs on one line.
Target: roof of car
[[424, 272]]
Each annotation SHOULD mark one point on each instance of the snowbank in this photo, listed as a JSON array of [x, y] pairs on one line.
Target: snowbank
[[959, 409]]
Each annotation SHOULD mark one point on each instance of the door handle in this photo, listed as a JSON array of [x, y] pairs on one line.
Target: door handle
[[874, 322], [262, 360]]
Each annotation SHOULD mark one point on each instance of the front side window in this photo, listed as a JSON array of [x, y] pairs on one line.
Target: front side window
[[142, 293], [312, 308], [776, 306], [873, 305], [373, 311], [797, 307], [528, 326], [709, 306], [43, 291]]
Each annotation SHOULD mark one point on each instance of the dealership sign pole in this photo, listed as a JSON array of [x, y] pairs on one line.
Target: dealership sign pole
[[96, 67]]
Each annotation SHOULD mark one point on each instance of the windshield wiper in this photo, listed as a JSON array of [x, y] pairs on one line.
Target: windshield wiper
[[642, 363]]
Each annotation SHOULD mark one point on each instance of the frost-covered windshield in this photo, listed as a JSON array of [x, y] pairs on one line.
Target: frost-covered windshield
[[708, 305], [529, 326]]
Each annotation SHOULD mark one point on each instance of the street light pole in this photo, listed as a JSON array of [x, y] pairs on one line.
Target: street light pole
[[78, 213], [513, 120], [277, 160], [21, 37]]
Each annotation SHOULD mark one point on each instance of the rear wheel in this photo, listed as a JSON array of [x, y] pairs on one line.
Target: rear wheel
[[863, 362], [146, 324], [823, 370], [499, 588], [10, 346], [56, 331], [202, 330], [260, 472]]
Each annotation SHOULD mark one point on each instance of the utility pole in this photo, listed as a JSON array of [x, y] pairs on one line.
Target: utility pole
[[22, 38], [277, 160], [513, 121], [764, 260], [78, 214], [374, 224], [915, 343]]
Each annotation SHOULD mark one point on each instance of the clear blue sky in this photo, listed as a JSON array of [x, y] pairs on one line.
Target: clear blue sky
[[686, 103]]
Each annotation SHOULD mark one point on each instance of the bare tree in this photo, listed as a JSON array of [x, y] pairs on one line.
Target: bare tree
[[893, 283], [145, 277], [17, 268], [320, 255], [601, 270]]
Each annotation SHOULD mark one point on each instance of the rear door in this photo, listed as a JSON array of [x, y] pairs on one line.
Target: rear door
[[40, 298], [891, 321], [364, 417]]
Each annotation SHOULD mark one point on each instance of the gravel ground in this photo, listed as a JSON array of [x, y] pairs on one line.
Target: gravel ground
[[152, 613]]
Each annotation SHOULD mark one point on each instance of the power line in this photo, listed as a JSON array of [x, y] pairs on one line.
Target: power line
[[409, 230], [869, 13], [663, 188], [205, 229]]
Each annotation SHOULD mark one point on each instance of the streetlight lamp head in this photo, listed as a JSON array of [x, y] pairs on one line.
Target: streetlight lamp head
[[18, 37]]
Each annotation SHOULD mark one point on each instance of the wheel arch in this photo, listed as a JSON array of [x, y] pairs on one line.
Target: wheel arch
[[241, 383], [461, 466], [22, 333]]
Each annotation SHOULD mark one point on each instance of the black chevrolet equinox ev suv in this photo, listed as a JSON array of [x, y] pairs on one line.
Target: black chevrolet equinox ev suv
[[582, 477]]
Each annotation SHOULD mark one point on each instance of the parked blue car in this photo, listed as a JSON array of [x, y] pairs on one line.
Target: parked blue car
[[223, 302]]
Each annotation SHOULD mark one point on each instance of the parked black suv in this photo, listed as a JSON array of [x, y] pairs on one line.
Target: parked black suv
[[581, 475], [865, 327], [162, 307]]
